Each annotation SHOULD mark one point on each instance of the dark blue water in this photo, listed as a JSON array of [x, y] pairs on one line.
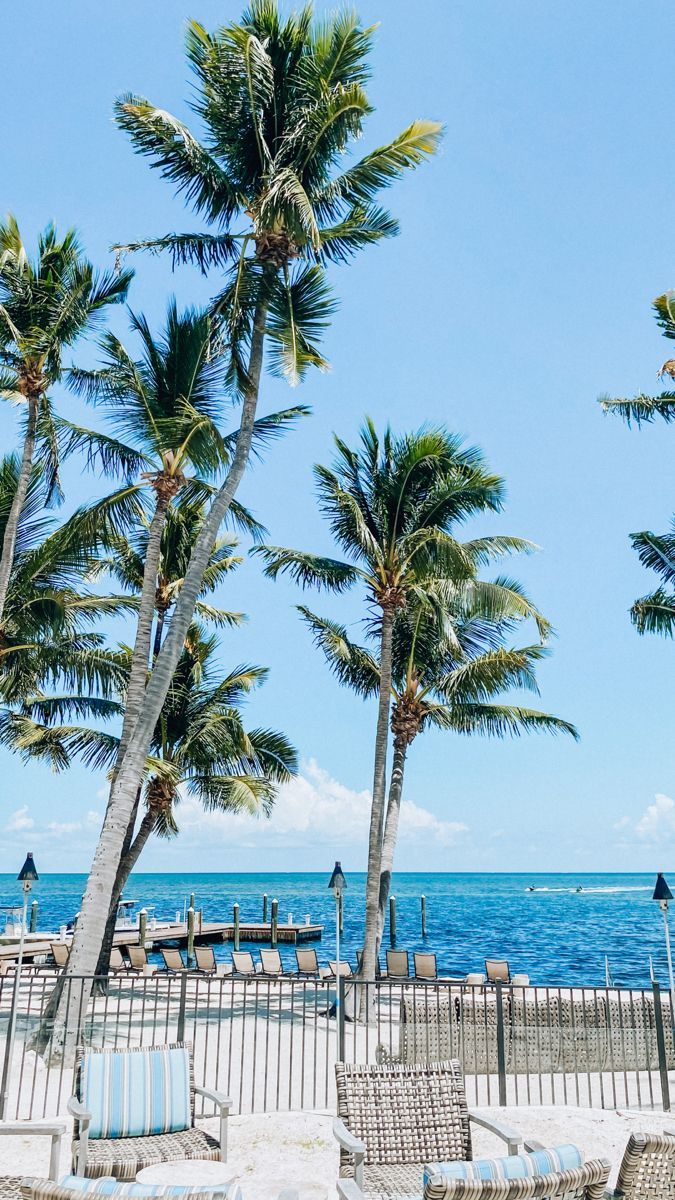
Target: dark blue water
[[556, 934]]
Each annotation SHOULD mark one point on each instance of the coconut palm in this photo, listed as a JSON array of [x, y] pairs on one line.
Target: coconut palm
[[281, 102], [449, 667], [392, 505], [47, 640], [654, 613], [46, 304]]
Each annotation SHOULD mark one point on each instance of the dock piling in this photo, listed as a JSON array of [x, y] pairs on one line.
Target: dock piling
[[142, 927], [273, 927], [423, 913], [392, 920], [33, 916], [264, 908], [190, 936], [235, 911]]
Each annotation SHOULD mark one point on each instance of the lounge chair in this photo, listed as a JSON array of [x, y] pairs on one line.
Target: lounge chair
[[173, 961], [271, 964], [242, 963], [425, 966], [345, 969], [10, 1185], [384, 1128], [60, 953], [70, 1188], [119, 1128], [647, 1170], [207, 965], [308, 964], [497, 970], [138, 960], [398, 964], [475, 979]]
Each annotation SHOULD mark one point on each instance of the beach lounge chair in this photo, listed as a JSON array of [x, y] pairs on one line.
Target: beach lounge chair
[[60, 953], [647, 1170], [497, 970], [242, 963], [119, 1128], [425, 966], [475, 979], [270, 963], [398, 964], [138, 960], [173, 960], [207, 965], [385, 1133], [345, 969], [308, 963]]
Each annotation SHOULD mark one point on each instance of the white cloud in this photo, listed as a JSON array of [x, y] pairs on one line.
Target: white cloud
[[19, 821], [61, 828], [622, 823], [93, 818], [658, 820], [314, 809]]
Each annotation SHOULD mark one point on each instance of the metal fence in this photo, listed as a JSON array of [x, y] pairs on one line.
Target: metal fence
[[271, 1044]]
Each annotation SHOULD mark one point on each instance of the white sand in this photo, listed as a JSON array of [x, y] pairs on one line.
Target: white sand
[[272, 1151]]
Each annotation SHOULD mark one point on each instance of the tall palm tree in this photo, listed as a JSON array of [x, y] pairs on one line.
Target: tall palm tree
[[281, 102], [46, 304], [392, 506], [450, 665], [654, 613]]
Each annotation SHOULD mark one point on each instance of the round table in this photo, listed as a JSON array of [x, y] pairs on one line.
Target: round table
[[189, 1172]]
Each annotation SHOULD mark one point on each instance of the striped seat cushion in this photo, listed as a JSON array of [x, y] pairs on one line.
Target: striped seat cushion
[[512, 1166], [112, 1187], [137, 1093]]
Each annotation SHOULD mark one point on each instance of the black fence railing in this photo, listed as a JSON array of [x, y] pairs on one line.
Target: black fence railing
[[271, 1044]]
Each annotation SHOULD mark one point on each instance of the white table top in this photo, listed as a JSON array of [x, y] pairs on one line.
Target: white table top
[[189, 1173]]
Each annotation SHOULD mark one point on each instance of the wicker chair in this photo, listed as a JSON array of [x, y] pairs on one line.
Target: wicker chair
[[647, 1170], [394, 1119], [580, 1183], [10, 1185], [104, 1143]]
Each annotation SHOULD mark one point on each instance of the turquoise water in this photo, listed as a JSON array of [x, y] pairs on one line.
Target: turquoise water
[[556, 934]]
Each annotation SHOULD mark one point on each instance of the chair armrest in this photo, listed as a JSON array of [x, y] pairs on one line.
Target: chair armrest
[[218, 1098], [512, 1137], [531, 1144], [77, 1110], [348, 1189], [347, 1139], [56, 1131]]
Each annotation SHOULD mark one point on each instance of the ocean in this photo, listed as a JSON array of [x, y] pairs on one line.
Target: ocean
[[557, 934]]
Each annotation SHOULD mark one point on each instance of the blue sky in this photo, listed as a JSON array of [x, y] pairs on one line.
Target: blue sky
[[518, 291]]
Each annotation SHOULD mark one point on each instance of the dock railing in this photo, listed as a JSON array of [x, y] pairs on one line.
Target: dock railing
[[271, 1044]]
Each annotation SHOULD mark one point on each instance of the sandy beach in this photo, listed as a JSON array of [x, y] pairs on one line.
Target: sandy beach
[[272, 1151]]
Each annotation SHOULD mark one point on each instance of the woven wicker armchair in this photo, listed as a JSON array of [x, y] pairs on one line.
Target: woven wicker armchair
[[393, 1119], [581, 1183], [647, 1170], [140, 1112]]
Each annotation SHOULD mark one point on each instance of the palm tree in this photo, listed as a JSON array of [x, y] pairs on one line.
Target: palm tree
[[654, 613], [45, 306], [281, 102], [449, 666], [391, 506]]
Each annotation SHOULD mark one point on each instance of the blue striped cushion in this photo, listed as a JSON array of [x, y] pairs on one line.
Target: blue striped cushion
[[136, 1093], [112, 1187], [512, 1166]]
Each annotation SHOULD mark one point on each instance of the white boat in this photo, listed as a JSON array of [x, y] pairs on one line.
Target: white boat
[[128, 919]]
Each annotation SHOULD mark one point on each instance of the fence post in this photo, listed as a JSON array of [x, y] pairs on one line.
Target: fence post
[[235, 912], [661, 1047], [392, 920], [190, 936], [142, 927], [264, 920], [33, 916], [273, 929], [180, 1031], [341, 912], [501, 1049], [423, 912]]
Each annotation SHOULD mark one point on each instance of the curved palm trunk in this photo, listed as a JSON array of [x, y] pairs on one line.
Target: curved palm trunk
[[377, 808], [391, 829], [103, 964], [100, 884], [11, 528], [159, 629], [127, 864]]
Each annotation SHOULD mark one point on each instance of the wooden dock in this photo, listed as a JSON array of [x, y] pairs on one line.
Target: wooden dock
[[206, 933]]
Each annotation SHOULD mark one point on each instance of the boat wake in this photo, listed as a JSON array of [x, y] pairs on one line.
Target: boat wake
[[610, 888]]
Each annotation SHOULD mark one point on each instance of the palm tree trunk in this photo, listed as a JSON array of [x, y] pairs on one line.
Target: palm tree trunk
[[103, 964], [127, 863], [377, 808], [98, 893], [159, 629], [9, 539], [391, 829]]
